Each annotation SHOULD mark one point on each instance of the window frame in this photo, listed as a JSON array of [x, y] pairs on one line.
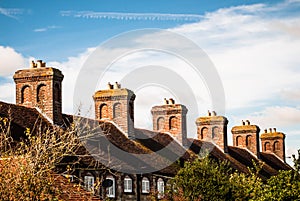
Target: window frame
[[128, 185], [89, 182], [111, 191], [160, 188], [145, 185]]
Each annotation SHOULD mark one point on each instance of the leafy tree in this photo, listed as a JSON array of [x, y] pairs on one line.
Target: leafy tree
[[246, 186], [283, 187], [202, 180], [297, 161]]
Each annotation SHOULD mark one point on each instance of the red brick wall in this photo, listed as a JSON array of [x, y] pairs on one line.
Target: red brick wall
[[42, 89], [116, 105], [213, 128], [171, 118], [246, 136], [273, 142]]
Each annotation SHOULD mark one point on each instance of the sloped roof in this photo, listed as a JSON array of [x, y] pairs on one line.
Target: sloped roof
[[274, 161], [110, 146], [71, 191], [22, 118], [241, 159], [148, 151]]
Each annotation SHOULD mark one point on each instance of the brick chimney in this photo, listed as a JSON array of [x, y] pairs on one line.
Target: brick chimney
[[171, 118], [116, 104], [246, 136], [273, 142], [213, 127], [40, 86]]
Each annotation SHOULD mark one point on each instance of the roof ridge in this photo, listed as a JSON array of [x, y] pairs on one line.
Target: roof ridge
[[44, 115]]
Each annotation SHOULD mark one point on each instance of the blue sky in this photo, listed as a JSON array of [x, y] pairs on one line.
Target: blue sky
[[38, 24], [253, 44]]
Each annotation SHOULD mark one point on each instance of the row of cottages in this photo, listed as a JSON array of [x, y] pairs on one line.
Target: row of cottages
[[113, 157]]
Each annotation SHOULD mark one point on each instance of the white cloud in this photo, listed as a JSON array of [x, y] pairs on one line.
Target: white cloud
[[281, 117], [11, 61], [70, 68], [43, 29], [11, 12], [131, 16], [7, 92], [256, 55]]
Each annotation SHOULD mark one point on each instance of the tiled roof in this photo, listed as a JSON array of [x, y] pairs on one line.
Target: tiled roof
[[274, 161], [148, 150], [71, 191], [241, 159], [22, 118], [110, 146]]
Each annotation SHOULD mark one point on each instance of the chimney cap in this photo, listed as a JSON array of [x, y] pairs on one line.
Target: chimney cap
[[171, 101]]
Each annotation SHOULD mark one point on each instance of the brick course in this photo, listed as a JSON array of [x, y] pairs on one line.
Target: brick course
[[171, 118], [246, 136], [40, 87], [213, 127], [273, 142], [116, 104]]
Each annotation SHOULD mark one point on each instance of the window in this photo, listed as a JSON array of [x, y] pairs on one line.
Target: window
[[145, 185], [173, 123], [110, 191], [127, 184], [160, 123], [204, 132], [103, 111], [41, 93], [267, 146], [117, 110], [25, 94], [160, 188], [248, 141], [276, 146], [239, 141], [89, 183], [215, 133]]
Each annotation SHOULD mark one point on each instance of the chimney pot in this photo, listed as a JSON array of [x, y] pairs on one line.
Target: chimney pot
[[166, 101], [171, 101], [39, 63], [110, 86], [214, 113], [248, 122], [274, 130], [270, 129], [116, 86], [243, 123], [209, 113], [32, 64], [266, 130]]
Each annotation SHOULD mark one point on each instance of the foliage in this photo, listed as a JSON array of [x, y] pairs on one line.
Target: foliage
[[297, 161], [208, 180], [202, 180], [27, 167], [283, 187]]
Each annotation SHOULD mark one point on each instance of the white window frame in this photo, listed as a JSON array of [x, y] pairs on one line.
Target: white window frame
[[160, 188], [127, 184], [89, 183], [145, 185], [111, 191]]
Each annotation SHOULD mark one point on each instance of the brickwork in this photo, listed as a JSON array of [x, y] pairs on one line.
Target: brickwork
[[213, 127], [273, 142], [246, 136], [116, 104], [40, 86], [171, 118]]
